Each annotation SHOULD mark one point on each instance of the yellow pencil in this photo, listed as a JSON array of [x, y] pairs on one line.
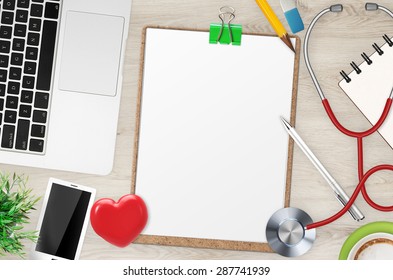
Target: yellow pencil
[[275, 23]]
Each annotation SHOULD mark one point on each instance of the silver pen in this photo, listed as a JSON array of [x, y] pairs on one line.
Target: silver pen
[[340, 194]]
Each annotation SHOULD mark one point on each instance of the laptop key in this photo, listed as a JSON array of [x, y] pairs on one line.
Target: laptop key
[[17, 59], [1, 104], [21, 16], [30, 67], [4, 59], [2, 89], [18, 45], [41, 100], [38, 130], [7, 18], [3, 75], [22, 134], [25, 111], [39, 116], [45, 64], [20, 30], [26, 96], [10, 116], [52, 10], [13, 88], [31, 53], [7, 140], [36, 10], [33, 38], [35, 24], [12, 102], [5, 32], [23, 3], [36, 145], [9, 5], [5, 46], [28, 82], [15, 73]]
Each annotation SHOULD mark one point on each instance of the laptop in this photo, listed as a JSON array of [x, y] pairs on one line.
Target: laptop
[[60, 82]]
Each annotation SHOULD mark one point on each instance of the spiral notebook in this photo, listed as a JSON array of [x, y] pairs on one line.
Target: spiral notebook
[[370, 84]]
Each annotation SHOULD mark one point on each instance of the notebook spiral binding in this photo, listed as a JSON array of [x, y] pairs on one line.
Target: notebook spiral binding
[[366, 58]]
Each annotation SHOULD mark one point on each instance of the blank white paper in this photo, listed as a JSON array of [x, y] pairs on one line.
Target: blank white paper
[[212, 152]]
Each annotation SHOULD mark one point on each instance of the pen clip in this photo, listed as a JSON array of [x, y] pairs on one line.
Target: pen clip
[[350, 210]]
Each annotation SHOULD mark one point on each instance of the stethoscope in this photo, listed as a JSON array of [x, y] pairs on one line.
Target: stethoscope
[[291, 231]]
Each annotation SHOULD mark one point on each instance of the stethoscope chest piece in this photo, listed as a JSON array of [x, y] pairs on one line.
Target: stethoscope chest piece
[[286, 234]]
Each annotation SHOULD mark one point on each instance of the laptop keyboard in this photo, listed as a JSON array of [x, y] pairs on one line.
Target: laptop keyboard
[[28, 35]]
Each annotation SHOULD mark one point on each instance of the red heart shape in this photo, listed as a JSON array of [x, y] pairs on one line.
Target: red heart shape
[[120, 222]]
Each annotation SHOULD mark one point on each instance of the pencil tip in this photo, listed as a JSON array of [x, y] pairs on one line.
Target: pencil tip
[[285, 38]]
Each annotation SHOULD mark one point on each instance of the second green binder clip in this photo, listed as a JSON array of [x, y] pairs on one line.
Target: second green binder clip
[[225, 32]]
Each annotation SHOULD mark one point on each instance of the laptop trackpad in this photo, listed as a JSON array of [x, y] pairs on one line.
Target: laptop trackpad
[[90, 58]]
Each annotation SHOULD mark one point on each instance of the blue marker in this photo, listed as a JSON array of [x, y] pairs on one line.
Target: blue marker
[[292, 15]]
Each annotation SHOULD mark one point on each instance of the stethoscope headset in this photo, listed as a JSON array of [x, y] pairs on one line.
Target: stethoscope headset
[[290, 231]]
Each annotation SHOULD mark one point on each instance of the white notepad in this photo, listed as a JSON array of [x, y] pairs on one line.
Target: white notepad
[[370, 89], [212, 153]]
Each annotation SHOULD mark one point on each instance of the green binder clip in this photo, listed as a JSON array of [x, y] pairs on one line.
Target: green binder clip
[[226, 33]]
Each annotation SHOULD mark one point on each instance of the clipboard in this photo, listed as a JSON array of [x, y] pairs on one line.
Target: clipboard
[[155, 125]]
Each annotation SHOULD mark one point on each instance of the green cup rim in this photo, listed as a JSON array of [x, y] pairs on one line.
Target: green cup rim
[[363, 231]]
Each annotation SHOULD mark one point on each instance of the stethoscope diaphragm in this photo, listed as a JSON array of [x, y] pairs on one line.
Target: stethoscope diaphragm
[[286, 233]]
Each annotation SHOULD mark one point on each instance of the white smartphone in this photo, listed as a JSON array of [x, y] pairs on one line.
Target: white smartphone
[[63, 221]]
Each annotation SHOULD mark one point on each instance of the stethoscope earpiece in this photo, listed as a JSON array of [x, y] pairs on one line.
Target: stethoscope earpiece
[[371, 7], [336, 8], [286, 233]]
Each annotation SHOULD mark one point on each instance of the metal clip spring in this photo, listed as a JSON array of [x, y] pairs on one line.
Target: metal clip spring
[[226, 11]]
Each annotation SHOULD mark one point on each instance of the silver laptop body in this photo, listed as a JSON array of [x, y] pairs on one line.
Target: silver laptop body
[[60, 82]]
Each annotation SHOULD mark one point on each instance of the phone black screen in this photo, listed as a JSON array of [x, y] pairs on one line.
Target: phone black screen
[[63, 221]]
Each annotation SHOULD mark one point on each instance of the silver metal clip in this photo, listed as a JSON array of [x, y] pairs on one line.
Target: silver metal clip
[[224, 13]]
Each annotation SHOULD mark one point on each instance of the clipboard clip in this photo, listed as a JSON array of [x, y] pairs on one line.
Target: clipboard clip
[[225, 32]]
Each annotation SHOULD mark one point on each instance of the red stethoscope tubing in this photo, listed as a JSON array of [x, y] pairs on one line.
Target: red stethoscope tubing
[[362, 176]]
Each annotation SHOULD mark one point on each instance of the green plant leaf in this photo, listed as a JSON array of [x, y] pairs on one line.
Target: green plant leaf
[[16, 202]]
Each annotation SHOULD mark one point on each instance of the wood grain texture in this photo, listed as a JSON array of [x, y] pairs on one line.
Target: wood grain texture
[[337, 40]]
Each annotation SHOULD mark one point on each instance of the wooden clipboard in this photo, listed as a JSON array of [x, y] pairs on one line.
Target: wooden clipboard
[[214, 243]]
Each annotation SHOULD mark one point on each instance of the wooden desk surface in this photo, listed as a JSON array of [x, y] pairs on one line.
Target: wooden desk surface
[[337, 40]]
